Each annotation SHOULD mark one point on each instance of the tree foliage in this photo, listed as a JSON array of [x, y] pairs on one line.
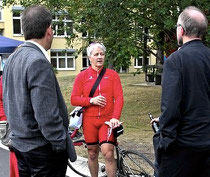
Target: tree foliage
[[125, 26]]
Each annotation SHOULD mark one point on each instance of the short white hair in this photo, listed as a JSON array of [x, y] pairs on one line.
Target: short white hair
[[94, 45]]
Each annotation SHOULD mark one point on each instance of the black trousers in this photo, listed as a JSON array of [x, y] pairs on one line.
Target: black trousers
[[42, 162], [185, 163]]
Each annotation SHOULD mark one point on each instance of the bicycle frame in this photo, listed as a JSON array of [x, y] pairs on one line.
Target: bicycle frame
[[119, 153], [129, 163]]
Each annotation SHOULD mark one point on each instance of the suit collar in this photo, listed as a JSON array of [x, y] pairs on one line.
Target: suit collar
[[33, 45], [41, 48]]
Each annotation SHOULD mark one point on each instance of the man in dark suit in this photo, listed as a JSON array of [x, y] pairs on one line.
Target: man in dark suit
[[33, 102], [183, 144]]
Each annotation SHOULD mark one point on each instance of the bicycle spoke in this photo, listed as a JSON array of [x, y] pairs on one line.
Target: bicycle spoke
[[134, 170], [135, 164]]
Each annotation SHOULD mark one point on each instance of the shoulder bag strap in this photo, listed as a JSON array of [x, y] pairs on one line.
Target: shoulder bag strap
[[97, 82]]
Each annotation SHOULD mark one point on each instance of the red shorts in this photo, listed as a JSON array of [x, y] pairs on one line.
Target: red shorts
[[97, 132]]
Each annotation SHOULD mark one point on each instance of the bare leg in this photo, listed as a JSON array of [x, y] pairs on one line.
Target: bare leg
[[108, 153], [93, 151]]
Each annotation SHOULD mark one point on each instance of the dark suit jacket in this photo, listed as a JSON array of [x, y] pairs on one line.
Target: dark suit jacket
[[33, 102], [185, 119]]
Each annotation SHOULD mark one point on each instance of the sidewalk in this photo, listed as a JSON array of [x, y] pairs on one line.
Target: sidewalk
[[80, 165], [147, 84], [4, 161], [69, 172]]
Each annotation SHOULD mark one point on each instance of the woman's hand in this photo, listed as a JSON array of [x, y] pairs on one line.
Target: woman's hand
[[99, 100], [114, 123]]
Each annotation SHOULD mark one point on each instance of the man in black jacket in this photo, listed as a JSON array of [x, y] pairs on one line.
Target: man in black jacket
[[183, 144]]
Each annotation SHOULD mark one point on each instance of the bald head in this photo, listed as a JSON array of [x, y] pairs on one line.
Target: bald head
[[193, 21]]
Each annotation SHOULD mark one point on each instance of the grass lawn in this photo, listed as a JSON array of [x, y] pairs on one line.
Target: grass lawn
[[139, 101]]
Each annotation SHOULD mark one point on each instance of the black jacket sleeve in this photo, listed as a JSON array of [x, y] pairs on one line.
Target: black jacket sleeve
[[170, 105]]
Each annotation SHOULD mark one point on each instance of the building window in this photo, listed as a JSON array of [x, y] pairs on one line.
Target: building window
[[62, 25], [84, 34], [85, 62], [138, 62], [17, 22], [63, 60]]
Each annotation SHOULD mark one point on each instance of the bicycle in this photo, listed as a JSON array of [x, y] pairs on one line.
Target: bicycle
[[129, 163]]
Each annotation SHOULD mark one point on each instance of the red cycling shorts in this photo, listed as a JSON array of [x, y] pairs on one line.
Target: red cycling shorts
[[96, 131]]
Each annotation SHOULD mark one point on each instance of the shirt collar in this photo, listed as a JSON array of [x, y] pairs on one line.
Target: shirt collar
[[41, 48], [190, 42]]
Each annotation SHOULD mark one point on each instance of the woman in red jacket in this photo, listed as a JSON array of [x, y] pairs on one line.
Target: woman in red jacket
[[105, 105]]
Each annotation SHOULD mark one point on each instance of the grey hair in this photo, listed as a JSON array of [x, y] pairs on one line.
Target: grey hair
[[193, 27], [92, 46]]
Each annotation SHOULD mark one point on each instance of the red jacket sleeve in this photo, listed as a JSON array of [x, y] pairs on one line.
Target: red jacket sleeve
[[77, 98], [118, 97]]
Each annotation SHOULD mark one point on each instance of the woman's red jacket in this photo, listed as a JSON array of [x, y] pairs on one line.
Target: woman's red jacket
[[109, 87]]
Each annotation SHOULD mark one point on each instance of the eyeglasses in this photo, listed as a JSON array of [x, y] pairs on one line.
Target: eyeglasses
[[177, 25]]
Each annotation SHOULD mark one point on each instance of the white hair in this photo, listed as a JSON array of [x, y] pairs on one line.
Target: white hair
[[94, 45]]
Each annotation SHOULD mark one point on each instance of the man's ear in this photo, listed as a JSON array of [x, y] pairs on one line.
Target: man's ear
[[182, 31], [49, 31]]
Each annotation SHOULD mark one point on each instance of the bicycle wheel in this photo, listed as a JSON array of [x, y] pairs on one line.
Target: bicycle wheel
[[134, 163], [80, 166]]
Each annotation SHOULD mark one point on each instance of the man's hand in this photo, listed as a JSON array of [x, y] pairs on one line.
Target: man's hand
[[155, 120]]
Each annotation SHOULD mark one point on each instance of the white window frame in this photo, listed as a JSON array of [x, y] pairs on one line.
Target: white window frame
[[136, 62], [66, 57], [65, 21], [17, 18]]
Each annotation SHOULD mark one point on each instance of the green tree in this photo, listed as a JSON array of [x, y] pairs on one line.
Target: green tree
[[125, 26]]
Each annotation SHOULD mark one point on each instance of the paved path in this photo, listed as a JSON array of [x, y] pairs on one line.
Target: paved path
[[4, 164]]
